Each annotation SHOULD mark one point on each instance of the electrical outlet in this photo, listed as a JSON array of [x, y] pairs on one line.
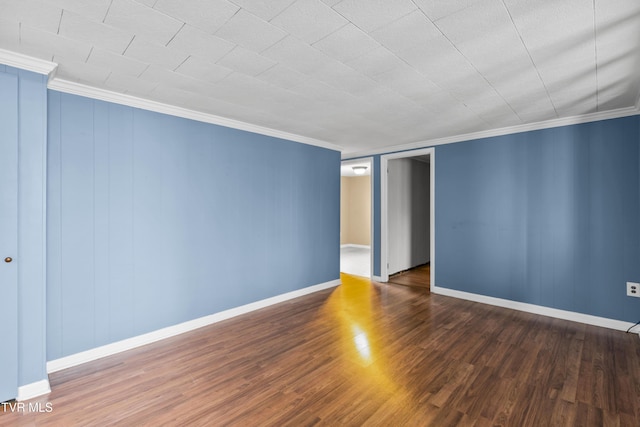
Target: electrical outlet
[[633, 289]]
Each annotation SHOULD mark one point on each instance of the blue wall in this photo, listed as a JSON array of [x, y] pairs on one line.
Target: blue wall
[[30, 259], [548, 217], [154, 220]]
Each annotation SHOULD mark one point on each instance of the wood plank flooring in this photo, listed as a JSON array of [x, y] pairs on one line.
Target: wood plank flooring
[[360, 354], [418, 276]]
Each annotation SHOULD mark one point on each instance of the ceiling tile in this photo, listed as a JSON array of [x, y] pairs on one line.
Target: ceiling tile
[[149, 3], [344, 78], [128, 84], [194, 41], [484, 100], [519, 85], [235, 87], [207, 15], [199, 102], [408, 82], [79, 71], [282, 76], [569, 103], [43, 44], [165, 78], [250, 32], [159, 75], [309, 20], [375, 62], [485, 18], [141, 20], [297, 55], [34, 13], [388, 102], [346, 44], [436, 9], [373, 14], [555, 29], [144, 51], [410, 31], [9, 35], [246, 61], [264, 9], [617, 60], [533, 110], [496, 54], [493, 47], [561, 73], [203, 69], [94, 33], [616, 93], [501, 118], [95, 10], [119, 64], [324, 95], [440, 61]]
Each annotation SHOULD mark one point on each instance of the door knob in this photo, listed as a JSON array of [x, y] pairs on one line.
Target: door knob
[[8, 259]]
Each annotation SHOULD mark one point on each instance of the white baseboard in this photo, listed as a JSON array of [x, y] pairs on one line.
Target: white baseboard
[[353, 245], [160, 334], [32, 390], [536, 309], [376, 278]]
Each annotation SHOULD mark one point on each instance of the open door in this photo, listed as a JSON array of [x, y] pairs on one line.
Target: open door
[[389, 202], [8, 237]]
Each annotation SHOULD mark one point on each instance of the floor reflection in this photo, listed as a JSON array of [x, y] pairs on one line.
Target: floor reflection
[[356, 308]]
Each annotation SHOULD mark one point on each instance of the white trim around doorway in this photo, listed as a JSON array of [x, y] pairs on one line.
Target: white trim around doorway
[[384, 213]]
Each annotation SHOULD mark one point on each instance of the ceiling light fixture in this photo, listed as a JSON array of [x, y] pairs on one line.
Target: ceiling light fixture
[[359, 170]]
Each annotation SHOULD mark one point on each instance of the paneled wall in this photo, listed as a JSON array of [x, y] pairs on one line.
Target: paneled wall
[[547, 217], [155, 220]]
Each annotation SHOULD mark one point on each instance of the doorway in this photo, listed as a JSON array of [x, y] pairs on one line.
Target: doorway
[[416, 247], [356, 219]]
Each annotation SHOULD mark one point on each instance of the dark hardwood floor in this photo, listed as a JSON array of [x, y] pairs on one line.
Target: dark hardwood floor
[[418, 277], [360, 354]]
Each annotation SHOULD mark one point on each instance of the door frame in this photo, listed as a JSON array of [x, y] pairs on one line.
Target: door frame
[[9, 361], [384, 209], [372, 171]]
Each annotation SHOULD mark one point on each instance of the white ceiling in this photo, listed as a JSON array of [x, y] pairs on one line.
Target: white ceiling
[[360, 74]]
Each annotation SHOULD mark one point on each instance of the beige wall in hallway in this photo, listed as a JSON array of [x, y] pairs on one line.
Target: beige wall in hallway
[[355, 210]]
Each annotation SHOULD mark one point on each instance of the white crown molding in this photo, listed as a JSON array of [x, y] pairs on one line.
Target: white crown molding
[[536, 309], [160, 334], [28, 63], [159, 107], [32, 390], [564, 121]]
